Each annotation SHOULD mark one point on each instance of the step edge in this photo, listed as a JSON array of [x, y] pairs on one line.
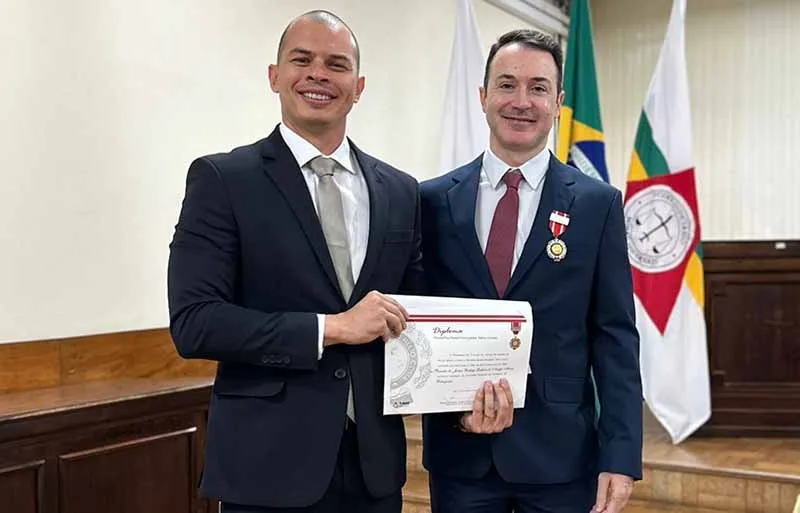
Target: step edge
[[685, 468]]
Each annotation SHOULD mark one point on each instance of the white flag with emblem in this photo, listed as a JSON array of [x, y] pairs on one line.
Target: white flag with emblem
[[464, 131], [665, 249]]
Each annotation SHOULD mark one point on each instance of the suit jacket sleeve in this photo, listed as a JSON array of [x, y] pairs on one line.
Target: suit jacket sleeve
[[204, 256], [615, 351]]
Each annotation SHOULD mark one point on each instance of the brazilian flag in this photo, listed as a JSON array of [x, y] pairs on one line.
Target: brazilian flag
[[580, 131]]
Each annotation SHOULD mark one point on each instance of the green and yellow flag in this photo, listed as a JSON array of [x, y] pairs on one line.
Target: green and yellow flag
[[580, 131]]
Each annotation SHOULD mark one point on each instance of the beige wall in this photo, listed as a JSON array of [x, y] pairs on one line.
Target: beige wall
[[744, 67], [104, 103]]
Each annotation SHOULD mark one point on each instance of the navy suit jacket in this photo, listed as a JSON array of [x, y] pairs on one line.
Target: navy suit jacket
[[583, 318], [249, 269]]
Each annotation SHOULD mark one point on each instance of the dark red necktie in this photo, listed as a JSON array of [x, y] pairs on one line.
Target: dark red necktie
[[503, 233]]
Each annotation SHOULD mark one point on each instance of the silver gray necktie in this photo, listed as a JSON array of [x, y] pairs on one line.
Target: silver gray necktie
[[331, 217]]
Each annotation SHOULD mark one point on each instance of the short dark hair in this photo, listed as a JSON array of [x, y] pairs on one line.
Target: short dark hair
[[325, 18], [531, 39]]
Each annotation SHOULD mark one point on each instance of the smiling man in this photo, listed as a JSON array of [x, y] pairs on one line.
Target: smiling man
[[517, 224], [280, 249]]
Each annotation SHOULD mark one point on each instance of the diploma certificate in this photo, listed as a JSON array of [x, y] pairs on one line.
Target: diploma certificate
[[450, 347]]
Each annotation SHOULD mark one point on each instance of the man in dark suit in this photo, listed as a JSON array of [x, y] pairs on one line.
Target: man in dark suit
[[519, 225], [274, 269]]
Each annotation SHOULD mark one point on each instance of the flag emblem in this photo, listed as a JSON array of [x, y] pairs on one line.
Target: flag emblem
[[660, 227]]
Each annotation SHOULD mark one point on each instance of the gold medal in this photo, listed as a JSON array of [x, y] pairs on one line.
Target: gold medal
[[556, 250]]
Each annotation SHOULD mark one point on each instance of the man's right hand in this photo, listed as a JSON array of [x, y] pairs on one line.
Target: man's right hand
[[375, 316]]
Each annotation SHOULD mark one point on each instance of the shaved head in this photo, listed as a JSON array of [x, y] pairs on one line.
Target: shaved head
[[324, 18]]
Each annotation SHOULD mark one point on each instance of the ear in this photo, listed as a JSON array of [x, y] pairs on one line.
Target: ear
[[272, 72], [482, 94], [559, 102], [359, 89]]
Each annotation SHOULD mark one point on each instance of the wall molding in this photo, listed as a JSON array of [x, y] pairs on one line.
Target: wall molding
[[542, 14]]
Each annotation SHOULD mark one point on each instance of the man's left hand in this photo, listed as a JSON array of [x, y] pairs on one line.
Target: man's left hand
[[613, 492], [492, 409]]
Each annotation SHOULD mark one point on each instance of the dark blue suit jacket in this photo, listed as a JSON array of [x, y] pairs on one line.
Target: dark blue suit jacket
[[583, 318], [248, 270]]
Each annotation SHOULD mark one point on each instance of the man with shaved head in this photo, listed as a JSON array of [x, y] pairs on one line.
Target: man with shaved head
[[325, 18], [275, 266]]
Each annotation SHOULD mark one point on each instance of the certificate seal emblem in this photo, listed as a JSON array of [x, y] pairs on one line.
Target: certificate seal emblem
[[409, 357], [404, 358], [556, 250], [661, 228], [515, 343]]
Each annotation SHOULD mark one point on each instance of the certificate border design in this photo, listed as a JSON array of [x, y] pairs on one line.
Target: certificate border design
[[400, 393]]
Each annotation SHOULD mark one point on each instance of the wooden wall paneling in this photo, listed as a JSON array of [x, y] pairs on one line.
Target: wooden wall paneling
[[740, 251], [134, 354], [115, 447], [756, 317], [753, 321], [132, 405], [121, 413], [153, 474], [27, 366], [21, 488]]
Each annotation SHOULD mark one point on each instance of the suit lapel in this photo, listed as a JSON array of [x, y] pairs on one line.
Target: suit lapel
[[556, 195], [462, 198], [281, 167], [378, 218]]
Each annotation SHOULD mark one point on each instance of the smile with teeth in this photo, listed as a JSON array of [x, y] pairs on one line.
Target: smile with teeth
[[524, 120], [317, 96]]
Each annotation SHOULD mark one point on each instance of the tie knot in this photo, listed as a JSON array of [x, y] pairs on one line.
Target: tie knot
[[512, 178], [322, 166]]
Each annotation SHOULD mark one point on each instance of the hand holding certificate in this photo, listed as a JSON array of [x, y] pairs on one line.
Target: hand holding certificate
[[450, 348]]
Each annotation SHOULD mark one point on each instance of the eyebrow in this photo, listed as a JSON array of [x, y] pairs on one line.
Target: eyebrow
[[505, 76], [308, 53], [341, 57], [301, 51]]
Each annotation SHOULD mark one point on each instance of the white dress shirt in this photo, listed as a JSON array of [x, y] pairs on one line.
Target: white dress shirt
[[355, 198], [491, 188]]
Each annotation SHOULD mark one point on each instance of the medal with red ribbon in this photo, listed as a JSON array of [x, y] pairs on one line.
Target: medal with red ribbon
[[516, 326], [557, 248]]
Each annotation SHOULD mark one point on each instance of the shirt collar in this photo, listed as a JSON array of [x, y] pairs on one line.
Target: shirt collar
[[533, 170], [303, 151]]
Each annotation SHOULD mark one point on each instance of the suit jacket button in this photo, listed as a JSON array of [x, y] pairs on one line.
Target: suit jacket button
[[340, 373]]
